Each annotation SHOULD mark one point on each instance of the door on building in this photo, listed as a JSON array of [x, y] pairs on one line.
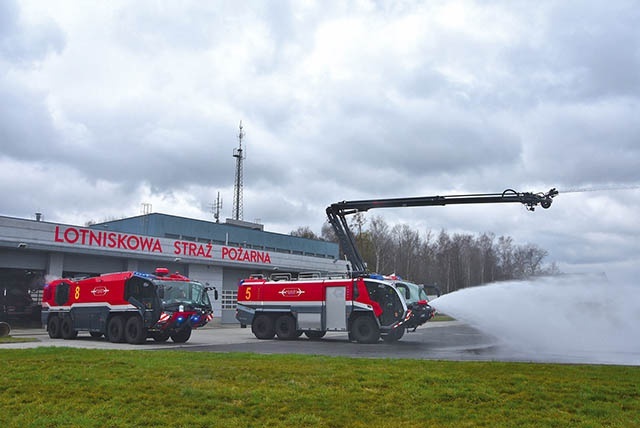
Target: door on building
[[229, 295], [21, 295]]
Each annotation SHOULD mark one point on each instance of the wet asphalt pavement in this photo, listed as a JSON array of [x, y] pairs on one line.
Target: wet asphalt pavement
[[454, 341]]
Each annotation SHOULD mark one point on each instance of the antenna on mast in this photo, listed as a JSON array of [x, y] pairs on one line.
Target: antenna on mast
[[215, 208], [237, 188]]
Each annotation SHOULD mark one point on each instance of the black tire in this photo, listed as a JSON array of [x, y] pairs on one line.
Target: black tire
[[394, 335], [53, 327], [181, 336], [263, 327], [286, 327], [66, 328], [314, 334], [115, 329], [134, 331], [364, 329]]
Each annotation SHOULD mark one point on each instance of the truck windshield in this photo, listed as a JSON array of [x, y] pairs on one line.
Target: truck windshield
[[411, 292], [183, 293]]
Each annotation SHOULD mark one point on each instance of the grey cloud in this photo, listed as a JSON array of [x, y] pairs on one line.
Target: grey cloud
[[151, 103], [601, 45], [9, 14], [26, 128], [594, 144], [21, 44], [579, 51]]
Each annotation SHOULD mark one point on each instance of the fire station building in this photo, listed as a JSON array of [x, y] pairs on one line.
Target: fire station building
[[218, 254]]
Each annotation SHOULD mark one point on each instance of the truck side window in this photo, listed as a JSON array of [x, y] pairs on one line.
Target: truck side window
[[404, 290], [62, 293], [388, 299], [138, 288]]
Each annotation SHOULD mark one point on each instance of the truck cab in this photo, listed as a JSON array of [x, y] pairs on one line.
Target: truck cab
[[417, 300]]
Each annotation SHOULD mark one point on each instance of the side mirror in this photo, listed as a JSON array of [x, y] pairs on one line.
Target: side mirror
[[215, 292]]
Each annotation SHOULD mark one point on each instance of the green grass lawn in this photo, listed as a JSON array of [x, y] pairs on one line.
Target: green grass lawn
[[441, 317], [12, 339], [49, 387]]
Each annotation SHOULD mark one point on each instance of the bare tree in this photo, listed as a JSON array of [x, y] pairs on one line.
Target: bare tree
[[380, 238], [304, 232], [451, 262], [505, 258], [327, 233]]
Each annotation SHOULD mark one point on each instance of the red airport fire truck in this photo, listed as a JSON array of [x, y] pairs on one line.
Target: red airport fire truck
[[421, 311], [126, 306], [367, 307]]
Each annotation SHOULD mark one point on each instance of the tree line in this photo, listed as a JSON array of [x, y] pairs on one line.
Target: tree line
[[450, 261]]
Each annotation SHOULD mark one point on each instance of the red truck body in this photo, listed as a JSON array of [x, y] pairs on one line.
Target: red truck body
[[126, 306], [366, 307]]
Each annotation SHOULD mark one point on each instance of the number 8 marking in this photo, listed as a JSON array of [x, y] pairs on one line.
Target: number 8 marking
[[77, 295]]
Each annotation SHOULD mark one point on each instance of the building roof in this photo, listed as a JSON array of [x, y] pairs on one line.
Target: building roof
[[240, 234]]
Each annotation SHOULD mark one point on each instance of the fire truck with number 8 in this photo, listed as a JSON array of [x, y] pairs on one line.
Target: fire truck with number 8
[[127, 306]]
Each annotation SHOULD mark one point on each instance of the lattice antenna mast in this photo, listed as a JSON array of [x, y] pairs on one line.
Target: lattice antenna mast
[[237, 188]]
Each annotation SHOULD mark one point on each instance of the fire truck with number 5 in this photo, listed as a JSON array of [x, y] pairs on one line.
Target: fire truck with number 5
[[367, 306]]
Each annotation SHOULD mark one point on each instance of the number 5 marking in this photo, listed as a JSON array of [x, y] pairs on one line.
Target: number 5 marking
[[247, 293]]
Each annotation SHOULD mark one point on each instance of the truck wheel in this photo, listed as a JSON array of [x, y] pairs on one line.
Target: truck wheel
[[314, 334], [394, 335], [182, 335], [262, 327], [286, 327], [115, 329], [66, 328], [53, 327], [365, 330], [134, 331]]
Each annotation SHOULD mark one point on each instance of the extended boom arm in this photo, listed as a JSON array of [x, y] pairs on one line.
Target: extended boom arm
[[336, 212]]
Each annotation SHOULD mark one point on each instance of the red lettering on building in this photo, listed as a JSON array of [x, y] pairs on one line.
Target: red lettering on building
[[124, 241], [182, 248], [242, 255], [98, 238]]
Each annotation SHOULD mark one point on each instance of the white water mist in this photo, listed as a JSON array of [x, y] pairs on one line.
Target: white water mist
[[564, 315]]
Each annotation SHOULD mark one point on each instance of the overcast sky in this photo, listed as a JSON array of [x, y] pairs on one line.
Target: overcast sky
[[106, 105]]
